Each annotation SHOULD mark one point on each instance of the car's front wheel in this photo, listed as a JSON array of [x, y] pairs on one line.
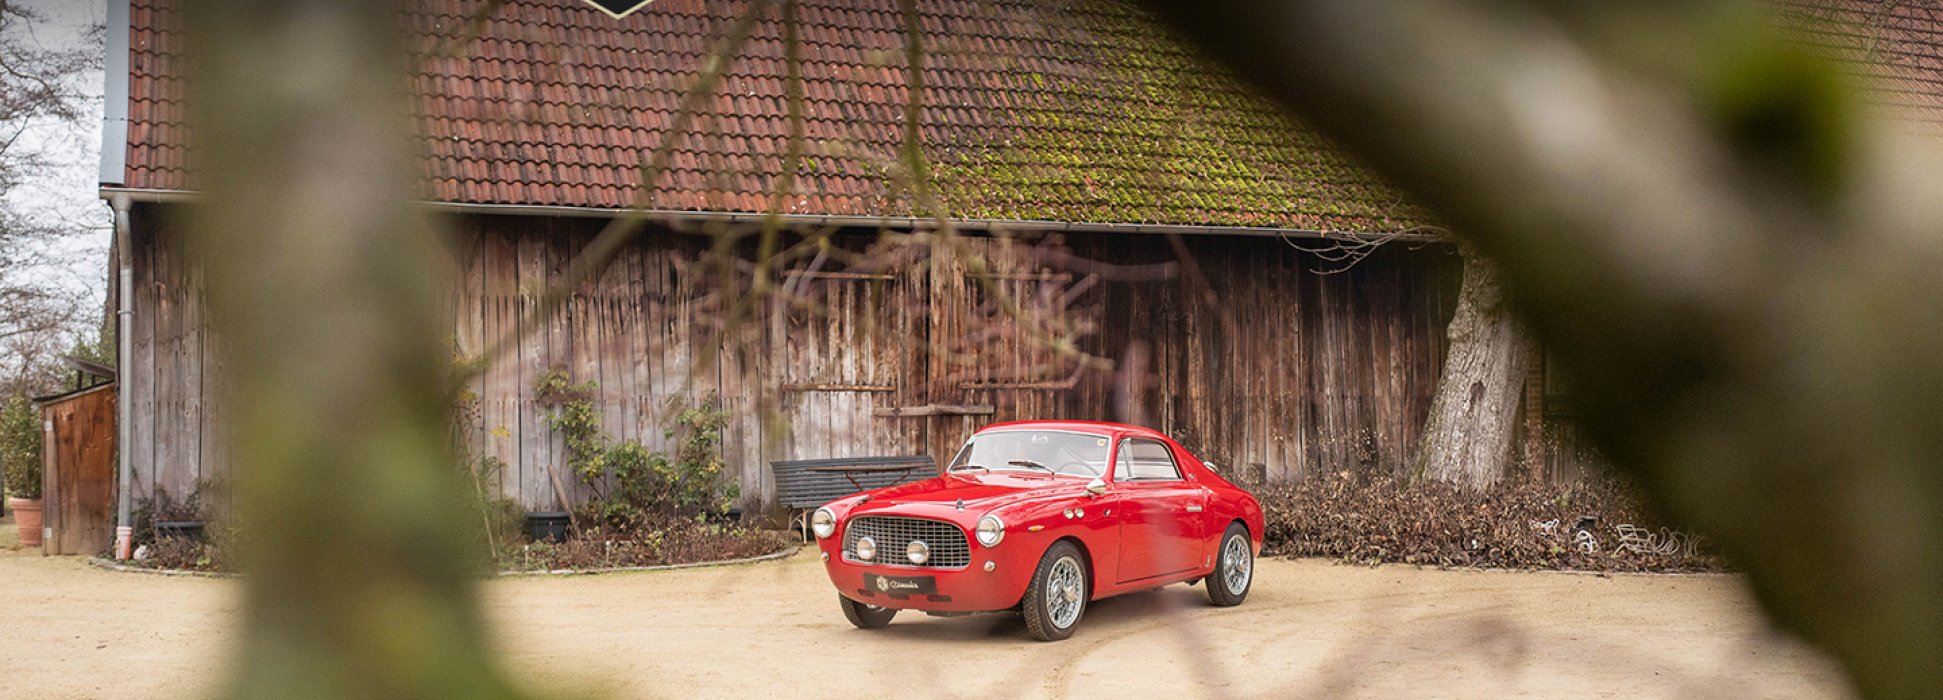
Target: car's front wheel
[[864, 615], [1234, 568], [1057, 596]]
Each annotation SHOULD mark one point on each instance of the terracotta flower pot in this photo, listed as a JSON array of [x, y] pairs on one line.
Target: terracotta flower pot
[[26, 516]]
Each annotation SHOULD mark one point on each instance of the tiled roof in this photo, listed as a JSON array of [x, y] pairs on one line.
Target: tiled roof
[[1074, 111], [1058, 110], [1894, 48]]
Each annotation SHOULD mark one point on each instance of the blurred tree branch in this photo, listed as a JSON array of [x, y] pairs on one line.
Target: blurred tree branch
[[361, 574], [1737, 272]]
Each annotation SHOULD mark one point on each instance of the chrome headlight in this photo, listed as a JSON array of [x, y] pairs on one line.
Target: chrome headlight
[[991, 530], [823, 523], [866, 548], [918, 552]]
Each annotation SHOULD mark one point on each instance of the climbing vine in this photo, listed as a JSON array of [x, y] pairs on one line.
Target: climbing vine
[[630, 481]]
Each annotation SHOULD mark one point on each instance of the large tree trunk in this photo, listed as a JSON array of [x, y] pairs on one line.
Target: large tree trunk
[[1467, 439], [322, 276]]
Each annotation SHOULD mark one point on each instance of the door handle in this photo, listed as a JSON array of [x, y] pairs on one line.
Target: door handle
[[1193, 509]]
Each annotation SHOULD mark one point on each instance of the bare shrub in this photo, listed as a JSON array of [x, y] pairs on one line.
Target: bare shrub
[[1522, 526]]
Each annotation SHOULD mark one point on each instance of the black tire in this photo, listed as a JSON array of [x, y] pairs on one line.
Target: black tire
[[1039, 616], [1220, 584], [866, 616]]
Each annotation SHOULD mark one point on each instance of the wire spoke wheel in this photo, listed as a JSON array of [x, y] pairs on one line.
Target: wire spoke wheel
[[1064, 588], [1234, 568], [1057, 596], [1237, 565]]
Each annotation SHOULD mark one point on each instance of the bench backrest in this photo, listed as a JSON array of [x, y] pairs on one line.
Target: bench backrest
[[799, 488]]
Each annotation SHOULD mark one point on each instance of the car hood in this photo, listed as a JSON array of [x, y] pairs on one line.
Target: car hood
[[979, 491]]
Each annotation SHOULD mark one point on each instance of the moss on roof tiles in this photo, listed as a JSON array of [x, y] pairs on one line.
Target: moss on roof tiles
[[1154, 134]]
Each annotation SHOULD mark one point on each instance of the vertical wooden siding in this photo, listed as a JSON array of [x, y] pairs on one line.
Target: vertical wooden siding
[[1271, 367], [80, 478]]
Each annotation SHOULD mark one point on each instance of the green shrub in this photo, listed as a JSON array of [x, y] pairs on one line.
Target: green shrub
[[691, 481], [20, 455], [630, 481]]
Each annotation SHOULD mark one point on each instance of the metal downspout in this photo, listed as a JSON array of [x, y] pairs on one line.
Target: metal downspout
[[114, 161], [124, 351]]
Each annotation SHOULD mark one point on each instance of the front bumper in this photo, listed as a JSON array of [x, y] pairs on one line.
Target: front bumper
[[970, 589]]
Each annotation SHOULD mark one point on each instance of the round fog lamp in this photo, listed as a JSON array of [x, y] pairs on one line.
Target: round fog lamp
[[866, 548], [917, 551]]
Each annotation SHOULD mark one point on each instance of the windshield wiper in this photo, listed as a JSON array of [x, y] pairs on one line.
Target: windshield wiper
[[1032, 464], [965, 467]]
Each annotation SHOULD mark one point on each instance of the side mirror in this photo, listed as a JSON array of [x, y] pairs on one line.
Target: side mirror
[[1212, 467], [1096, 487]]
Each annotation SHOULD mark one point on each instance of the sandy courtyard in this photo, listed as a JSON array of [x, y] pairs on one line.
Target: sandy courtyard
[[1310, 629]]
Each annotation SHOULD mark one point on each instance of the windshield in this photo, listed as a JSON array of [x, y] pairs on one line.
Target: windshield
[[1073, 454]]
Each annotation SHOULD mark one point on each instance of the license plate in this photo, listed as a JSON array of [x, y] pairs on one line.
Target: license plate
[[922, 585]]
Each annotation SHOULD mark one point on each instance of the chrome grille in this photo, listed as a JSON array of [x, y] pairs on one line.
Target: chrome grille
[[949, 549]]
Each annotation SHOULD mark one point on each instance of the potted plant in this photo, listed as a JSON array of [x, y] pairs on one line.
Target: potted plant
[[20, 458]]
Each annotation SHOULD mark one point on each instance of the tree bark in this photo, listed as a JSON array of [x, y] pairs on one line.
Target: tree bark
[[321, 273], [1468, 437], [1736, 268]]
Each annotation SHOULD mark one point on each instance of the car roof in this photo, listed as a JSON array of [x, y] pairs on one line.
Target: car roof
[[1078, 426]]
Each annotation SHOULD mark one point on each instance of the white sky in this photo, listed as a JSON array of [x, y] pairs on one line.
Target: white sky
[[67, 193]]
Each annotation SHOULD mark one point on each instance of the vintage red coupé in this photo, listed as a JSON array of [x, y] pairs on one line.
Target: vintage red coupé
[[1041, 517]]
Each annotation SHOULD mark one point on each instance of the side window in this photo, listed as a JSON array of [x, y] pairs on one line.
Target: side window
[[1145, 460]]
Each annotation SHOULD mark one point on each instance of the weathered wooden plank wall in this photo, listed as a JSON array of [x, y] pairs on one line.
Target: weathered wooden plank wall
[[1266, 365], [80, 476]]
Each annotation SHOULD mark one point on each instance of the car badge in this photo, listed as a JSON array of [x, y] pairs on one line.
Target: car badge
[[883, 584], [961, 504]]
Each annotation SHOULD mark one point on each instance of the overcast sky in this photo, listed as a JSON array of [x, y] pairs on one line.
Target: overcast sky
[[67, 193]]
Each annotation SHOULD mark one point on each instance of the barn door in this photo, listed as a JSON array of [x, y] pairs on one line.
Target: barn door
[[847, 346], [1000, 317]]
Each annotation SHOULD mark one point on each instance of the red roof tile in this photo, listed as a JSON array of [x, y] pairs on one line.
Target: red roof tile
[[1070, 110], [1894, 48]]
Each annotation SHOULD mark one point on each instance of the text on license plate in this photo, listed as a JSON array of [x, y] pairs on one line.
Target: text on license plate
[[901, 584]]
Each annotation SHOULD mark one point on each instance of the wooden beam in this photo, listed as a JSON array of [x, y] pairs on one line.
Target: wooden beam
[[814, 274], [1060, 384], [934, 410], [876, 388]]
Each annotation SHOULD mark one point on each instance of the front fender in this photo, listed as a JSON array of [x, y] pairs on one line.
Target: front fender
[[1031, 528]]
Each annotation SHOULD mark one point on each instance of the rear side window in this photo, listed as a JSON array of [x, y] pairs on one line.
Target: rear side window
[[1145, 460]]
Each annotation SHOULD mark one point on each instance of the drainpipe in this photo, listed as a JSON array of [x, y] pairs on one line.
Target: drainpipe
[[124, 352], [114, 161]]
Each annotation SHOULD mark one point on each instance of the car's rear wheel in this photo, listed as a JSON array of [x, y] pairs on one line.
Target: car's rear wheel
[[1057, 596], [864, 615], [1234, 568]]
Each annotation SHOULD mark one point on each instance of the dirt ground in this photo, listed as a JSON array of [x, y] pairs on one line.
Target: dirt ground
[[1310, 629]]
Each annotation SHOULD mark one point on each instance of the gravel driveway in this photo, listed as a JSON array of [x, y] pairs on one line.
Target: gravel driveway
[[772, 630]]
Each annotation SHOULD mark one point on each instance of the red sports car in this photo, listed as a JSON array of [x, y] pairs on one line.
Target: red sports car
[[1041, 517]]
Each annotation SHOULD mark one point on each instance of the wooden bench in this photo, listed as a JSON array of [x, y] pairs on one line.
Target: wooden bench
[[803, 485]]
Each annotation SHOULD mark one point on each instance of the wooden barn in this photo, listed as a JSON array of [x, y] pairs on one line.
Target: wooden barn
[[1135, 236]]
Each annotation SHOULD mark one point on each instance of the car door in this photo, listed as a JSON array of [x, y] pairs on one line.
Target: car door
[[1160, 512]]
